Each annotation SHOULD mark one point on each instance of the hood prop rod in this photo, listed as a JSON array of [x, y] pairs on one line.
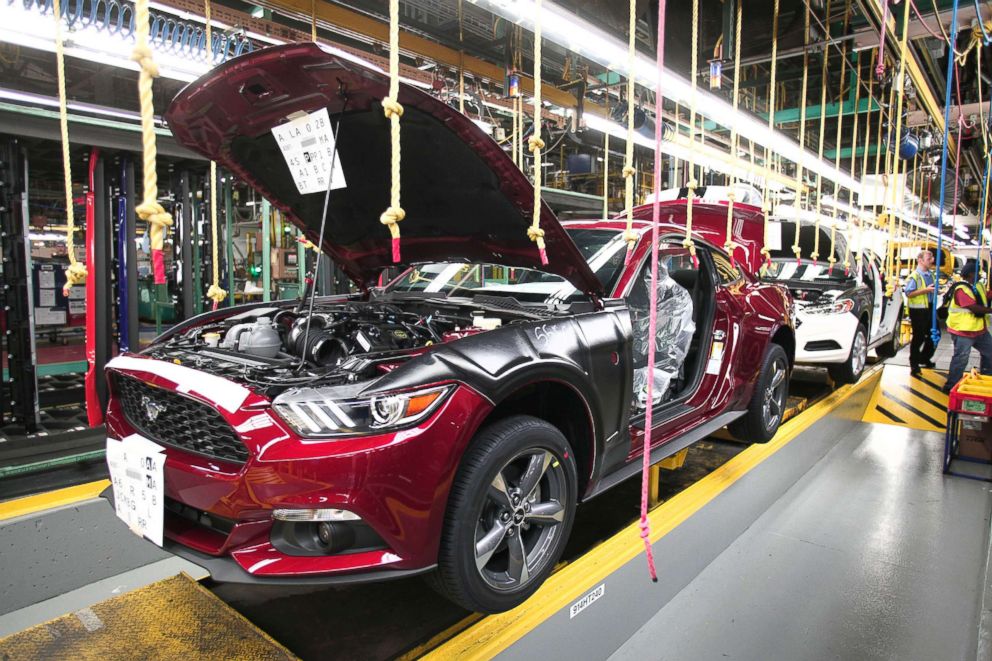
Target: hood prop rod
[[335, 128]]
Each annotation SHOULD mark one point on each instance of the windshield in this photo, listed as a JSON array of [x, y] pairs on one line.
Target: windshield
[[788, 269], [603, 249]]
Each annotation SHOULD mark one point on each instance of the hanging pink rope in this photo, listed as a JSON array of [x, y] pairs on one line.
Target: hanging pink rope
[[653, 317], [880, 65]]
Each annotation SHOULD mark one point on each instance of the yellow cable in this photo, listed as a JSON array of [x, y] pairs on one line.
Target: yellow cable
[[854, 152], [76, 273], [898, 196], [313, 21], [837, 144], [766, 201], [215, 293], [815, 255], [691, 183], [534, 143], [606, 174], [628, 164], [149, 210], [391, 107], [729, 244], [797, 251]]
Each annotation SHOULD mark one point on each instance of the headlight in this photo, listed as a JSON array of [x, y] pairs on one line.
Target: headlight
[[312, 412], [839, 306]]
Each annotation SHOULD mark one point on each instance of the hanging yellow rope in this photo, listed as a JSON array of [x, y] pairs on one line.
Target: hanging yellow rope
[[831, 260], [313, 21], [765, 200], [606, 174], [864, 164], [819, 150], [391, 107], [535, 144], [215, 292], [854, 152], [149, 210], [76, 273], [729, 244], [628, 164], [797, 251], [898, 196], [688, 243]]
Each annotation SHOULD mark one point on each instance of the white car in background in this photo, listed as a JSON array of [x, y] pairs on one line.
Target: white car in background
[[839, 317]]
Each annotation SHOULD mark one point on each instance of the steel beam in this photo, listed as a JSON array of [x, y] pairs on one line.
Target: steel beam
[[186, 210], [100, 269], [131, 258]]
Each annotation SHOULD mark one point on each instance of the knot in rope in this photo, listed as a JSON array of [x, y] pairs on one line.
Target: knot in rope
[[628, 171], [534, 143], [630, 236], [142, 54], [814, 256], [691, 185], [391, 107], [74, 275], [390, 217], [535, 234], [216, 294], [154, 214]]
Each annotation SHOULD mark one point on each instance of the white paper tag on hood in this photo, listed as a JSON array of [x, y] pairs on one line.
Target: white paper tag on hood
[[307, 144]]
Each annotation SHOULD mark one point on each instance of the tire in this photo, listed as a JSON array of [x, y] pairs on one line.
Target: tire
[[891, 348], [767, 405], [850, 370], [486, 504]]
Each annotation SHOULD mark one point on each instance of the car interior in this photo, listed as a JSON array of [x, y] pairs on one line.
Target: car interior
[[684, 317]]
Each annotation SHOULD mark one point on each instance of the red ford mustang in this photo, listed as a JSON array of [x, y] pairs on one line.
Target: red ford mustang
[[449, 423]]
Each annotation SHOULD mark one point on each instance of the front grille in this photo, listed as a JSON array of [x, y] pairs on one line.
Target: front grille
[[822, 345], [177, 420]]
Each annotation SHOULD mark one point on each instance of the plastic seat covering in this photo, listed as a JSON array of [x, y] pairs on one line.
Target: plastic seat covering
[[675, 328]]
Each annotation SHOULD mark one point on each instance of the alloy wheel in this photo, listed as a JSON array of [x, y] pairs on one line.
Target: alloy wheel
[[859, 353], [774, 396], [520, 519]]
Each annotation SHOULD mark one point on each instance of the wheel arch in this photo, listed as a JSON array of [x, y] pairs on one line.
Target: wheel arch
[[557, 402], [785, 337]]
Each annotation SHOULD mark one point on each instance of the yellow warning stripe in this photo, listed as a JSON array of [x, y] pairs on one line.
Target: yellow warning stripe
[[51, 499], [496, 633]]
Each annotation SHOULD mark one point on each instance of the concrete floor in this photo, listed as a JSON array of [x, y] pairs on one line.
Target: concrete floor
[[873, 554]]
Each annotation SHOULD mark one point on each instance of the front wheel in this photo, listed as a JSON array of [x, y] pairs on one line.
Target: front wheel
[[850, 370], [509, 515], [767, 406]]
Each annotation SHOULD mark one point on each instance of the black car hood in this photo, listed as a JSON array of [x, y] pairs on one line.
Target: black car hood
[[464, 198]]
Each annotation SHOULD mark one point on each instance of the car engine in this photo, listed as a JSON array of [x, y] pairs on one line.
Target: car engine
[[276, 348]]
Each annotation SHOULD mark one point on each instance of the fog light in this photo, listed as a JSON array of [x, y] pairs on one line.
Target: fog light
[[324, 533], [334, 537], [315, 515]]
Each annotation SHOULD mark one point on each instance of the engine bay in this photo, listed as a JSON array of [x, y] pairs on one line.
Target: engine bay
[[275, 348]]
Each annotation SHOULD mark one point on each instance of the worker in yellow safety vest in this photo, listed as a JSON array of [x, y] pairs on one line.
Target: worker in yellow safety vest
[[919, 289], [968, 325]]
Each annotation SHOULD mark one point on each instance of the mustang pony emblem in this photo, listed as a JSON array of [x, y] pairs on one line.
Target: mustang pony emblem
[[152, 408]]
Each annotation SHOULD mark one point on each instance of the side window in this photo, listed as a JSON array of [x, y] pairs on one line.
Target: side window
[[727, 272]]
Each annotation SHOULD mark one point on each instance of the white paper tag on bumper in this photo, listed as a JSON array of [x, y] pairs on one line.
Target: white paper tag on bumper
[[137, 475], [307, 144]]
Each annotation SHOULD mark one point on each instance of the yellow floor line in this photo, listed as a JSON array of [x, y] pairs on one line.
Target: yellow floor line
[[51, 499], [497, 632]]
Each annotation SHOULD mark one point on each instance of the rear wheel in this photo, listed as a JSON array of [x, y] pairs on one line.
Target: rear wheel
[[891, 348], [767, 406], [509, 515], [850, 370]]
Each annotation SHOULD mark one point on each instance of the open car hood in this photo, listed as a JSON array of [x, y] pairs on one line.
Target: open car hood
[[464, 198]]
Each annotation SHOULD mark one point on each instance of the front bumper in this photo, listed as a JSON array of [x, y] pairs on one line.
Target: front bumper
[[812, 329], [224, 569], [397, 483]]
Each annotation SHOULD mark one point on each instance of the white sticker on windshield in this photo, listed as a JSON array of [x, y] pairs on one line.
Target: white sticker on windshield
[[307, 144], [773, 236]]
